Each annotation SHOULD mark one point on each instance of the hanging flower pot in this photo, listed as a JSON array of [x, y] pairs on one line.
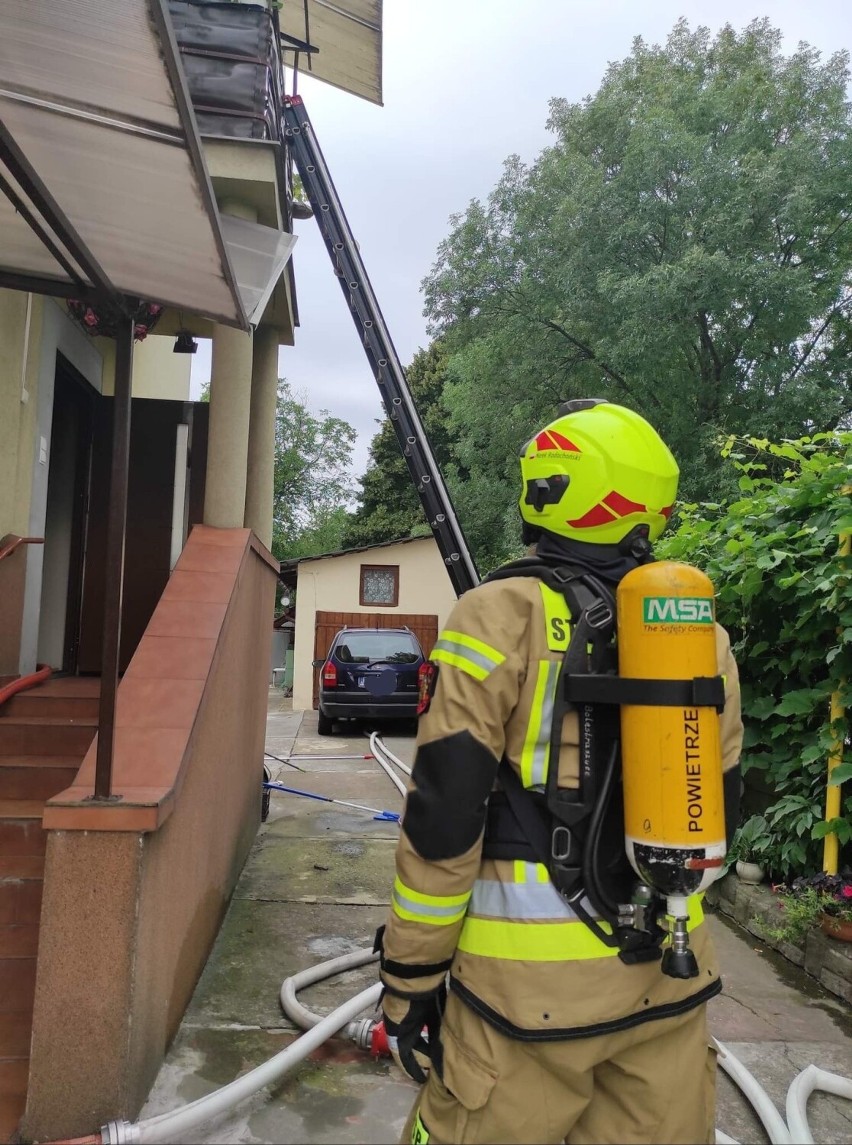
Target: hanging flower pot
[[104, 322]]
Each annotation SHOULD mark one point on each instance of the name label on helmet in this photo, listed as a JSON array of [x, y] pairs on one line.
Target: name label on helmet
[[677, 610]]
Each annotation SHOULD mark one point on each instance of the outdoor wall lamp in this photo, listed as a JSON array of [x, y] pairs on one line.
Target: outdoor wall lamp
[[184, 343]]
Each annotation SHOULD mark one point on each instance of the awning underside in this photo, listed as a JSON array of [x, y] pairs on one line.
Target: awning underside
[[102, 181], [347, 35]]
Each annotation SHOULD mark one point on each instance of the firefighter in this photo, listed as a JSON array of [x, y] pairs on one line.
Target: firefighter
[[537, 1029]]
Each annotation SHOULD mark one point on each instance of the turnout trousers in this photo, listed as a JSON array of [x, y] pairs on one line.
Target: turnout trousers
[[654, 1083]]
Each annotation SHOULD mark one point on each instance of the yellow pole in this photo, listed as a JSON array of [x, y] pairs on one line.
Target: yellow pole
[[832, 794]]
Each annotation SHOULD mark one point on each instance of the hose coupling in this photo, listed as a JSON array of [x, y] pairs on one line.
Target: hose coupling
[[361, 1032], [120, 1133]]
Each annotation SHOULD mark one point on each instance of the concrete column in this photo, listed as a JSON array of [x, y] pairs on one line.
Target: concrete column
[[230, 401], [261, 444]]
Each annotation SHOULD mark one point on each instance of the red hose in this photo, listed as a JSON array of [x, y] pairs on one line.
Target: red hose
[[23, 682]]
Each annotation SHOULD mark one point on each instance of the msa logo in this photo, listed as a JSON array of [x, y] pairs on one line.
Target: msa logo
[[677, 610]]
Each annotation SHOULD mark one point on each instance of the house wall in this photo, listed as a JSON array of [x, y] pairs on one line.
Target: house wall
[[333, 583], [157, 371]]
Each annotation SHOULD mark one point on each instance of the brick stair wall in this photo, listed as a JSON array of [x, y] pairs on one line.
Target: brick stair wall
[[44, 734]]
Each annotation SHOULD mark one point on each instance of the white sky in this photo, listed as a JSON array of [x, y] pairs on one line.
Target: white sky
[[466, 83]]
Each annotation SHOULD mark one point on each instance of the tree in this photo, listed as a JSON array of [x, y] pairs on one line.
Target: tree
[[684, 248], [313, 482], [388, 505]]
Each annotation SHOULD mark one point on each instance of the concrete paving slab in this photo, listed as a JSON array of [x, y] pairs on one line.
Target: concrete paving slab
[[262, 943], [316, 885], [345, 870]]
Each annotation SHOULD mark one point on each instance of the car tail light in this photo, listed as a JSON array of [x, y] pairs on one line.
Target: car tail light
[[329, 675]]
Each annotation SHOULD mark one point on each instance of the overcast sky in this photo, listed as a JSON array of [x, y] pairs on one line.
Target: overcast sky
[[466, 84]]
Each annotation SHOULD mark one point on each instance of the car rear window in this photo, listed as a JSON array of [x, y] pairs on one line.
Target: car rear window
[[369, 647]]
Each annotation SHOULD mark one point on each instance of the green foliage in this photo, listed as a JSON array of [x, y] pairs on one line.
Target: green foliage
[[783, 594], [808, 901], [683, 248], [802, 912], [313, 482], [749, 843]]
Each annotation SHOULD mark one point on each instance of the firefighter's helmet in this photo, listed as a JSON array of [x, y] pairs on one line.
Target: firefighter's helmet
[[596, 473]]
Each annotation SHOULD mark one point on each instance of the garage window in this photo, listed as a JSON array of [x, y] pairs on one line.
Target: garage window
[[380, 585]]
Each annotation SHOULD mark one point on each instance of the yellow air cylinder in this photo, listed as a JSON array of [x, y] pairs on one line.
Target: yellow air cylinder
[[674, 806]]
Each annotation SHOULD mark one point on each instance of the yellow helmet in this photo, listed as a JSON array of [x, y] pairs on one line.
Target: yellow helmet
[[596, 472]]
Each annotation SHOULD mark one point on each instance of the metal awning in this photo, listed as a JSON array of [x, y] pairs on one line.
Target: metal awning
[[338, 41], [103, 185]]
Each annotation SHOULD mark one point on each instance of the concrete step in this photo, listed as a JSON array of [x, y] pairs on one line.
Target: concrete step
[[35, 703], [35, 735], [36, 776], [21, 832], [15, 1030], [14, 1074], [19, 867], [17, 985], [21, 888], [19, 942]]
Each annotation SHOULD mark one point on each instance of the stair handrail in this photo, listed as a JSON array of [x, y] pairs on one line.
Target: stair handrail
[[12, 541]]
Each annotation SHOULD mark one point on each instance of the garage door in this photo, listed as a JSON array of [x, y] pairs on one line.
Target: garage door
[[424, 627]]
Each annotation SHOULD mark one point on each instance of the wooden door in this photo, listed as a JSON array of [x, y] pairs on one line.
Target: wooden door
[[424, 627]]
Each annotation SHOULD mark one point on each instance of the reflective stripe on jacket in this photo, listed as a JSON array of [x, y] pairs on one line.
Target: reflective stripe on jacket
[[521, 957]]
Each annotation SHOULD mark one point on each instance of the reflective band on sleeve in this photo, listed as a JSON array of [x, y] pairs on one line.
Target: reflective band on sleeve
[[436, 910], [536, 750], [468, 654], [533, 941]]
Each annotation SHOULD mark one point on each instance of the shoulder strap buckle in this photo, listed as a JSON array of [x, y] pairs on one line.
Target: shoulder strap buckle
[[598, 615]]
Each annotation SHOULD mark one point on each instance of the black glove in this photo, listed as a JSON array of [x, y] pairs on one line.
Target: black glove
[[411, 1051]]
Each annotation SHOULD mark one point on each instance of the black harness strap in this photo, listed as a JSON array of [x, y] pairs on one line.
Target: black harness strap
[[700, 692]]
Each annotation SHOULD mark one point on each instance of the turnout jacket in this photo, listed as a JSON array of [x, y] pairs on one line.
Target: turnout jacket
[[516, 952]]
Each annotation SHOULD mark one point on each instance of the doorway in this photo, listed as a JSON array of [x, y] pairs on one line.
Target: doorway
[[68, 483]]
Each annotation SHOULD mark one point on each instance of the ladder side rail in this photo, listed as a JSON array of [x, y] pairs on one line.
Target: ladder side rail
[[379, 348]]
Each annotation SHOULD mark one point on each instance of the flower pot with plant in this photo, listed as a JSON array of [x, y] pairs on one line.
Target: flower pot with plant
[[747, 849], [816, 901]]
